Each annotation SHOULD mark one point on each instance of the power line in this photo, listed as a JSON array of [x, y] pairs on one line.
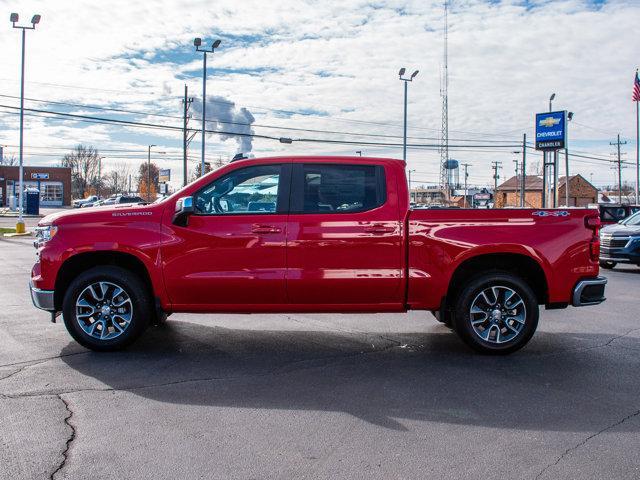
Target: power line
[[227, 122], [113, 121]]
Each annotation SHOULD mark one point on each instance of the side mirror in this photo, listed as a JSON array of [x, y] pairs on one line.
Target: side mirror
[[184, 208]]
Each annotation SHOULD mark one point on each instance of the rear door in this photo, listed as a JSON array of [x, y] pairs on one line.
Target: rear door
[[344, 238]]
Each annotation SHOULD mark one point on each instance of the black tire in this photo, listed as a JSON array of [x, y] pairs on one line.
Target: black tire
[[607, 264], [139, 307], [471, 295]]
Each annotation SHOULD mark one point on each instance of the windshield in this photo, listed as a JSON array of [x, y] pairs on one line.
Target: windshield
[[632, 220]]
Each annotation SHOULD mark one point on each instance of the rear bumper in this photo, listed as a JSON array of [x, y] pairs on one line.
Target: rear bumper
[[42, 299], [589, 292]]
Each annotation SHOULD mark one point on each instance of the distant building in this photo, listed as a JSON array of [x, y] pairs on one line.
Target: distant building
[[508, 193], [581, 192], [54, 184], [431, 195]]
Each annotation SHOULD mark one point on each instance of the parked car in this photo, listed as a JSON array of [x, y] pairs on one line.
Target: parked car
[[105, 201], [612, 214], [117, 200], [313, 234], [79, 203], [620, 242]]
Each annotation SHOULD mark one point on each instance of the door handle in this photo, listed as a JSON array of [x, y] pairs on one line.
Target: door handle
[[379, 229], [259, 228]]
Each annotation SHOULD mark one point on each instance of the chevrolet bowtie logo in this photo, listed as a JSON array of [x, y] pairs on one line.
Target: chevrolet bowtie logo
[[549, 122]]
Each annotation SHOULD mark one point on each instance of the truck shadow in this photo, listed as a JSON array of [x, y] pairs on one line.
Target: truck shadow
[[560, 382]]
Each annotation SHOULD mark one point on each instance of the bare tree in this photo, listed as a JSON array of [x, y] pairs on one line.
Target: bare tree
[[9, 160], [117, 180], [535, 168], [84, 163]]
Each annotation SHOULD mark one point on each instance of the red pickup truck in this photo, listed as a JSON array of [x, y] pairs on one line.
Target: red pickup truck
[[312, 234]]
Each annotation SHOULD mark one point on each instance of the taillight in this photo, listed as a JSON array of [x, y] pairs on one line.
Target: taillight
[[593, 223], [594, 248]]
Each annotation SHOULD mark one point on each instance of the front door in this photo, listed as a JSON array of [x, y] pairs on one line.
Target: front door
[[344, 240], [232, 253]]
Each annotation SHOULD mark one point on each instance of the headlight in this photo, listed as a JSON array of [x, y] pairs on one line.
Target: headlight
[[44, 234]]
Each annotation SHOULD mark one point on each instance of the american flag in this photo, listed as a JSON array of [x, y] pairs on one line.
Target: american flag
[[636, 89]]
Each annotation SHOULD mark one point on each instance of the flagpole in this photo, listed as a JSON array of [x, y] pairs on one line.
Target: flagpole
[[637, 150]]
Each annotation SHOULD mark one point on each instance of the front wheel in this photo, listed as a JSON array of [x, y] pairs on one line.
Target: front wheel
[[496, 313], [106, 308], [607, 264]]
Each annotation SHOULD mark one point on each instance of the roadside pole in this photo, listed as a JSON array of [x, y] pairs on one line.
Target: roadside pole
[[523, 184]]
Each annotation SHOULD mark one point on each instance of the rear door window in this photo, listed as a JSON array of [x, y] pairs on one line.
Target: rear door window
[[326, 188]]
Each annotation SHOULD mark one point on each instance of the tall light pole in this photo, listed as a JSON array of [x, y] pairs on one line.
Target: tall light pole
[[34, 21], [198, 44], [406, 82]]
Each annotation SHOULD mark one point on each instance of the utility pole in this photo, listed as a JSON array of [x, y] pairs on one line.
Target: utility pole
[[517, 163], [495, 166], [523, 183], [619, 162], [466, 175], [186, 104]]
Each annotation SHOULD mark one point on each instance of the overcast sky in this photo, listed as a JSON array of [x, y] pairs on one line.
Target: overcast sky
[[328, 66]]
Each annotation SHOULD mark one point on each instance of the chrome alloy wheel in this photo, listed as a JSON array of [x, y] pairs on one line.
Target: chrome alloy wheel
[[498, 314], [104, 310]]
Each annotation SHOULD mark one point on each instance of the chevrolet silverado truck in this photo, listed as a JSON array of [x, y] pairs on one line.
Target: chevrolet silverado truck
[[312, 234]]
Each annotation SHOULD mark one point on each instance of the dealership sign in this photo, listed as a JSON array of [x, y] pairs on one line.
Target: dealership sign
[[39, 176], [551, 129], [165, 175]]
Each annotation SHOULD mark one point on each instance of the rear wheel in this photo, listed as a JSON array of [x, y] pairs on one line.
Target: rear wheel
[[607, 264], [496, 313], [106, 308]]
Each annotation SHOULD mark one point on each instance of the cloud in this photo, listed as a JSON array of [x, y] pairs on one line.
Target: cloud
[[338, 58]]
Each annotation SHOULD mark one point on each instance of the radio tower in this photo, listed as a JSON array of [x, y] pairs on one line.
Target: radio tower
[[444, 87]]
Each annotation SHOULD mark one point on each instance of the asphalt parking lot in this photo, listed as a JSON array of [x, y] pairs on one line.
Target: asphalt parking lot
[[319, 396]]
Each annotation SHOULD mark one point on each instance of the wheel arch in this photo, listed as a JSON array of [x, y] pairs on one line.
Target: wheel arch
[[81, 262], [523, 266]]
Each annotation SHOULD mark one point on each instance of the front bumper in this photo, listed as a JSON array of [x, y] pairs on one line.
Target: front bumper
[[42, 299], [589, 292]]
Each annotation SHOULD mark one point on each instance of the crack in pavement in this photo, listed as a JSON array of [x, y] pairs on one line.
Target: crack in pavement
[[21, 369], [281, 370], [593, 347], [70, 439], [585, 441], [45, 359]]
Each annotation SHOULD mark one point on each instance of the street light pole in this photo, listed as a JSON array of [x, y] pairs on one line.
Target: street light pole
[[406, 81], [20, 228], [198, 43], [149, 171]]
